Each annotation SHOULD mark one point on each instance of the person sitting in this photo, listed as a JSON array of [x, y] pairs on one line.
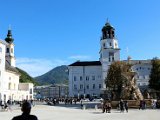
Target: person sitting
[[26, 109]]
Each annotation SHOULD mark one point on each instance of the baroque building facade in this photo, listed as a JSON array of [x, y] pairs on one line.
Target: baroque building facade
[[87, 78], [10, 87]]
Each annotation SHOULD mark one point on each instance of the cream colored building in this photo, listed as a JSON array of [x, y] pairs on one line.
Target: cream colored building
[[10, 88]]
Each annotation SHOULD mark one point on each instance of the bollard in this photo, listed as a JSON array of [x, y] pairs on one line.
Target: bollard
[[84, 107], [96, 107]]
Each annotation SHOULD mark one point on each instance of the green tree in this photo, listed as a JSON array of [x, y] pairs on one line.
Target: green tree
[[154, 81], [25, 77], [115, 74]]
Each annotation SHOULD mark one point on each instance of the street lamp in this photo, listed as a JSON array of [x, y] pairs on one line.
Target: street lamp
[[78, 94]]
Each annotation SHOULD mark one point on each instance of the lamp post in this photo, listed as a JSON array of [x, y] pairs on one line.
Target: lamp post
[[78, 94]]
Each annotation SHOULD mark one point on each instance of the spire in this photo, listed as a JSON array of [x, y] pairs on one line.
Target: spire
[[9, 38]]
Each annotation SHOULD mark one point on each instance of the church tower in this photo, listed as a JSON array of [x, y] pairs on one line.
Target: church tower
[[109, 51], [10, 58]]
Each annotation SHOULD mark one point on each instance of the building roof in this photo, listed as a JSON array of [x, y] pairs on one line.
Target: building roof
[[86, 63], [10, 68], [138, 61], [107, 26], [3, 42]]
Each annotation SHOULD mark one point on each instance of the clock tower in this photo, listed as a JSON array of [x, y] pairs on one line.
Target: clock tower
[[109, 50]]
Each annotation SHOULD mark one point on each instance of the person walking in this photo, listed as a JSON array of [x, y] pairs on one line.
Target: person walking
[[121, 104], [26, 109], [126, 105]]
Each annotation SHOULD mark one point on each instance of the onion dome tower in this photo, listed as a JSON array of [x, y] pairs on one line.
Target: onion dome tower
[[10, 58]]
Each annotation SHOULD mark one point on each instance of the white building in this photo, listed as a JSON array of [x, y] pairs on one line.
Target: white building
[[86, 78], [9, 75]]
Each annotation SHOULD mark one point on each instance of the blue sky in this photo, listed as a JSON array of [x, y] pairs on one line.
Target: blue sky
[[49, 33]]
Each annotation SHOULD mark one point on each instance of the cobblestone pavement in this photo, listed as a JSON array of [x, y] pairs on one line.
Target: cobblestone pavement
[[44, 112]]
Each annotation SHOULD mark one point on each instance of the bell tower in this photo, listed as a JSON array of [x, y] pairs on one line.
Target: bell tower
[[109, 50], [10, 49]]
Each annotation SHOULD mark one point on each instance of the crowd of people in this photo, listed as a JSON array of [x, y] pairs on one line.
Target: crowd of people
[[5, 106], [66, 101], [122, 106]]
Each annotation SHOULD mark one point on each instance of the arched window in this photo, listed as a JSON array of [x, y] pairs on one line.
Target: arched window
[[7, 50], [9, 86], [11, 50]]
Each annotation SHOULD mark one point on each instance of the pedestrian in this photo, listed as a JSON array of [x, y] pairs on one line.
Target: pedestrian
[[143, 104], [126, 105], [103, 106], [154, 104], [121, 104], [26, 109], [140, 104], [109, 107]]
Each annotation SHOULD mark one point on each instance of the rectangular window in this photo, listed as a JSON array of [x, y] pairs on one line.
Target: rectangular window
[[30, 91], [93, 77], [99, 76], [74, 78], [87, 86], [87, 78], [75, 87], [9, 86], [81, 78], [81, 86], [94, 86], [100, 86], [112, 58]]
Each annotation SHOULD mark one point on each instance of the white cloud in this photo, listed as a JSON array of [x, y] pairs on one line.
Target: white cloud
[[80, 57], [36, 67]]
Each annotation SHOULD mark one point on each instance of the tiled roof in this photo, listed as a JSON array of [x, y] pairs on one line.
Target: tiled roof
[[86, 63]]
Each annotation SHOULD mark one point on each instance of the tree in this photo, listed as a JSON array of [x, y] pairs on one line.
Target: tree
[[154, 81], [114, 75], [25, 77], [121, 79]]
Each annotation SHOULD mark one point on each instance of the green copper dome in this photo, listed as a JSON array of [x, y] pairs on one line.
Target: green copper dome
[[9, 38]]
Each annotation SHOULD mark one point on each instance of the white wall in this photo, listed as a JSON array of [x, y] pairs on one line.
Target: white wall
[[85, 71], [143, 71]]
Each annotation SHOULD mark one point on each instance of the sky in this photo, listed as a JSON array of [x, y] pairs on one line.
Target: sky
[[50, 33]]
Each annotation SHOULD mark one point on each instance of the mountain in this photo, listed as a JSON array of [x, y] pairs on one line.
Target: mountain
[[25, 77], [55, 76]]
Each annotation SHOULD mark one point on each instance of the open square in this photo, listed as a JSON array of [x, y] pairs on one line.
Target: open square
[[44, 112]]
